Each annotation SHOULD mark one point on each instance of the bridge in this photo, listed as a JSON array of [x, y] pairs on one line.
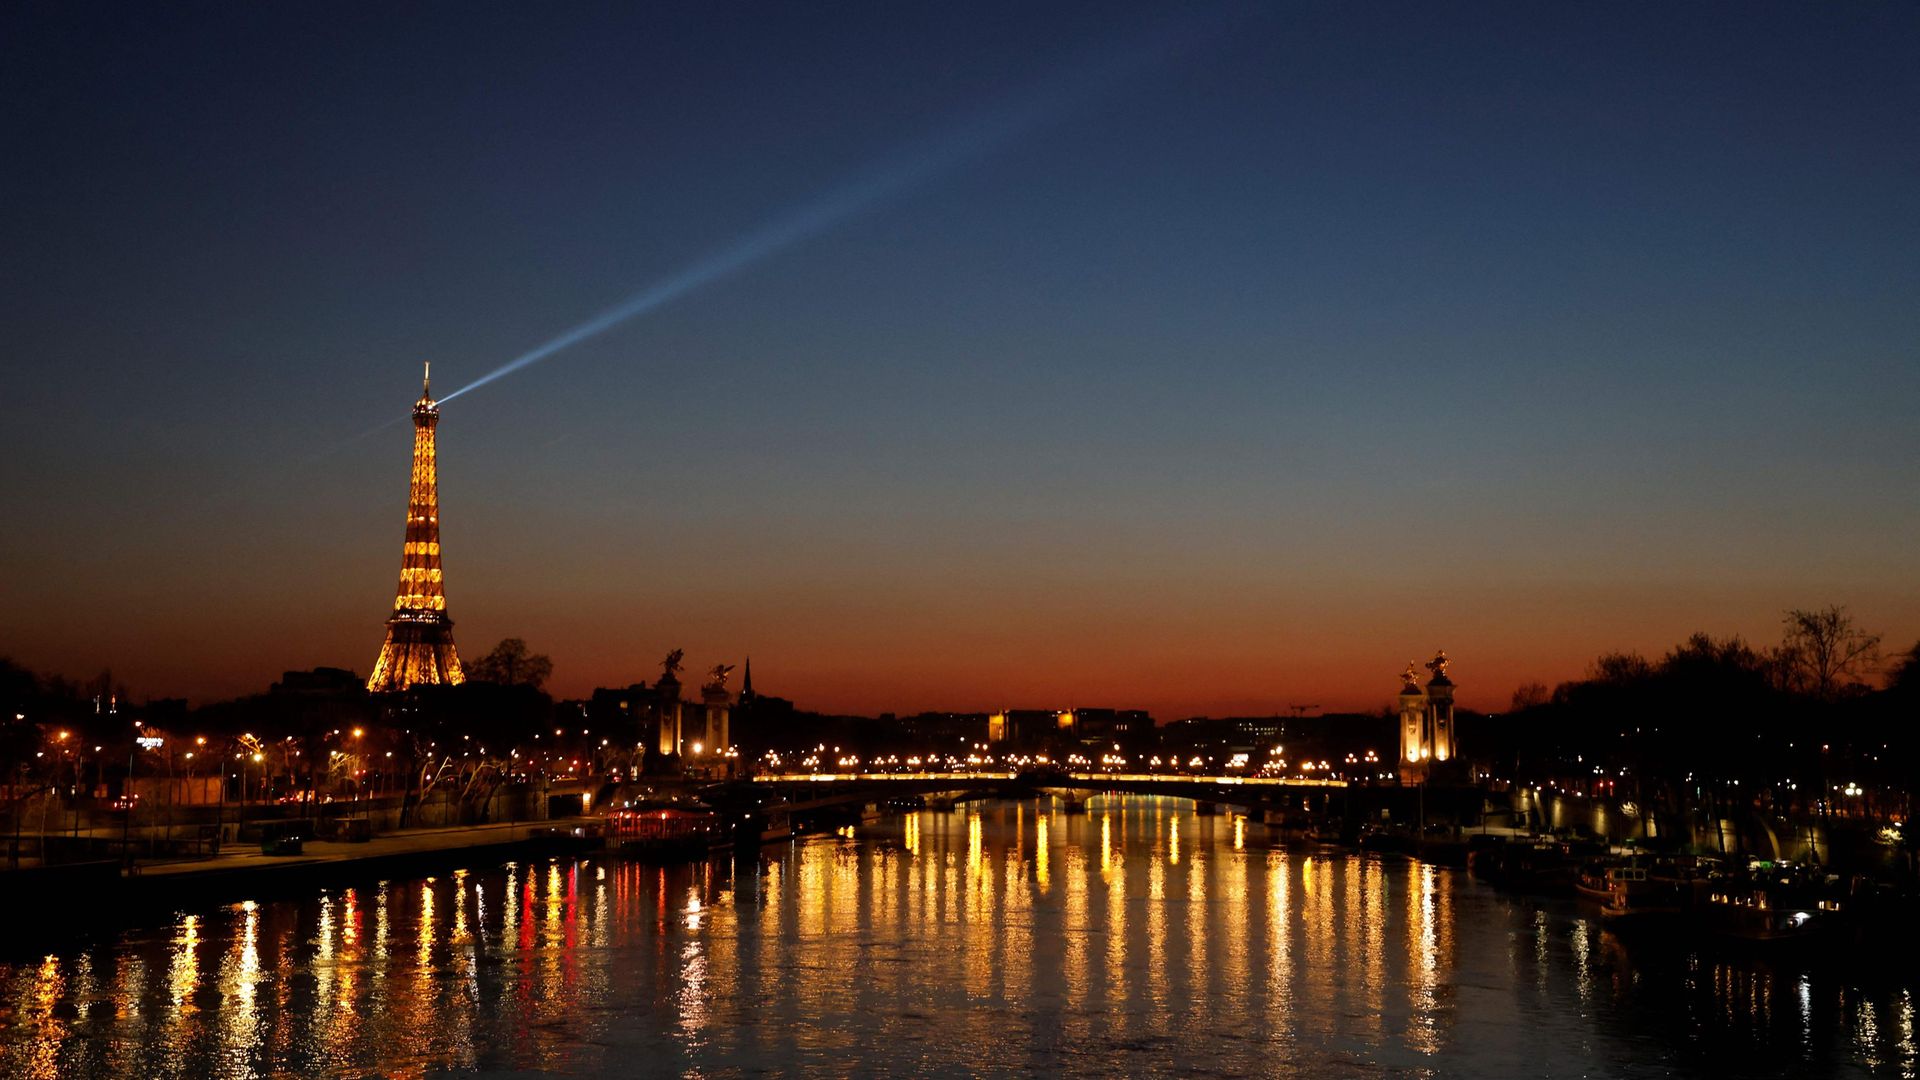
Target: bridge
[[805, 792]]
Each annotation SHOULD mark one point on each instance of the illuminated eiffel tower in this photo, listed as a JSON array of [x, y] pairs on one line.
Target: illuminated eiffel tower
[[419, 647]]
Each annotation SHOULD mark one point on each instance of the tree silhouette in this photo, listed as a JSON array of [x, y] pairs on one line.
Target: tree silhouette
[[510, 664], [1825, 651], [1904, 677], [1529, 696]]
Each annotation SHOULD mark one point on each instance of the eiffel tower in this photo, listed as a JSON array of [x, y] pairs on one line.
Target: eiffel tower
[[419, 646]]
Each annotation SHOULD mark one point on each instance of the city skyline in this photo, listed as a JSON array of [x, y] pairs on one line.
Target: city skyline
[[1263, 370]]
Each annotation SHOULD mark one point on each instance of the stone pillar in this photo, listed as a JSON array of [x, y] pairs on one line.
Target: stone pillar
[[1440, 708], [718, 707], [1415, 749], [666, 704], [1440, 713]]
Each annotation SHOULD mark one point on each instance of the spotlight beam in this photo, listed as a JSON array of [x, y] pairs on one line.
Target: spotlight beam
[[963, 140]]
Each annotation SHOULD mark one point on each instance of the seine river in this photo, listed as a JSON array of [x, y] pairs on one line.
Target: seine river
[[1002, 938]]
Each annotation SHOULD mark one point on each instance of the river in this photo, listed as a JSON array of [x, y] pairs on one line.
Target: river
[[1000, 938]]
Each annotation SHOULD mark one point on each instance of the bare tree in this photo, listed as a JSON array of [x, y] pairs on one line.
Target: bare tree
[[1825, 651], [510, 664]]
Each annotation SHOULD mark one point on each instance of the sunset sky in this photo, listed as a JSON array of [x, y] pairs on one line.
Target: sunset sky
[[1205, 366]]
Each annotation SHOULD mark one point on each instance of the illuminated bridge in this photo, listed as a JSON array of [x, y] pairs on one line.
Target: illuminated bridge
[[811, 791]]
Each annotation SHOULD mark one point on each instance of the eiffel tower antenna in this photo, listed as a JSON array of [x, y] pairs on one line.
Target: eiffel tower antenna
[[419, 647]]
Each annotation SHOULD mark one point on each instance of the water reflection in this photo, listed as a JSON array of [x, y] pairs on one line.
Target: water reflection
[[1134, 937]]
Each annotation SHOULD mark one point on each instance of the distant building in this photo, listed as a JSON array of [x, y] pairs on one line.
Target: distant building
[[1129, 729], [942, 730], [620, 710], [1220, 737], [321, 680]]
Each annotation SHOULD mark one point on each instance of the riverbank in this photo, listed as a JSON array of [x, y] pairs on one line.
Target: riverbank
[[86, 898]]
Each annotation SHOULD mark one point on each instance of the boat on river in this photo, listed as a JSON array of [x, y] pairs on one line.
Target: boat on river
[[1547, 866], [1634, 891], [662, 830], [1773, 908]]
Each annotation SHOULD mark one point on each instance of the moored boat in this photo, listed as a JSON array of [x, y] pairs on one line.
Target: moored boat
[[1768, 911], [1634, 892], [1536, 867], [661, 830]]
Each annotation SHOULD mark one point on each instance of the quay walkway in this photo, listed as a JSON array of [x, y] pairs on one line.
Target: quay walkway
[[81, 899]]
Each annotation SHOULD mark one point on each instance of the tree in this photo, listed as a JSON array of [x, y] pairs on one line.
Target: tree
[[1620, 669], [1904, 678], [1825, 651], [510, 664], [1531, 696]]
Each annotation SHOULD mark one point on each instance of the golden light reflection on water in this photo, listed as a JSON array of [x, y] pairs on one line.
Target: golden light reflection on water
[[975, 854], [38, 1055], [1116, 969], [184, 975], [1076, 929], [1106, 843], [1371, 892], [1133, 937], [1279, 934], [1424, 1030], [1200, 914], [1042, 855]]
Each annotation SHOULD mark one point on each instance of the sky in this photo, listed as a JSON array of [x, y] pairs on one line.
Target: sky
[[1209, 363]]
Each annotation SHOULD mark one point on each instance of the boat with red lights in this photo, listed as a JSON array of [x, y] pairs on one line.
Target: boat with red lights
[[661, 830]]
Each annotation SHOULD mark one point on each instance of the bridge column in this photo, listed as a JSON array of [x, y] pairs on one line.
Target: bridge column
[[1203, 808]]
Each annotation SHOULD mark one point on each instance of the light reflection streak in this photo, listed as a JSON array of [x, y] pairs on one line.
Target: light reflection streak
[[183, 978], [459, 932], [1119, 925], [1905, 1051], [1372, 912], [692, 997], [975, 847], [1280, 938], [239, 983], [1011, 925], [424, 929], [1041, 844], [1075, 931], [422, 998], [1199, 920], [1422, 982], [380, 920], [1156, 981], [41, 1055], [350, 921], [1106, 843]]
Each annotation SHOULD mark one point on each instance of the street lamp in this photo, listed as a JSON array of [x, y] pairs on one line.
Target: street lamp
[[140, 742]]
